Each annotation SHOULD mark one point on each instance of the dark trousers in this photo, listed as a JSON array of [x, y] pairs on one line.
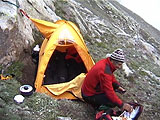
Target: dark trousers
[[97, 100]]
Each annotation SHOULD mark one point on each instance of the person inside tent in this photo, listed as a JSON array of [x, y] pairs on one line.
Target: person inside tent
[[74, 63], [100, 84]]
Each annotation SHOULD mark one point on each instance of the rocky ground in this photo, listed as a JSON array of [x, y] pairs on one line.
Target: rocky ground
[[40, 106]]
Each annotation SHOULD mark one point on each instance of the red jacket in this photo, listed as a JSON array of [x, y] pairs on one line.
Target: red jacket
[[100, 79]]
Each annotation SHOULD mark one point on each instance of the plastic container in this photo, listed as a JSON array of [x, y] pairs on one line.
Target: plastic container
[[19, 99], [26, 90]]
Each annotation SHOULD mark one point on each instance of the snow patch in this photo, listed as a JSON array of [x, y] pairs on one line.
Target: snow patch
[[152, 75], [123, 34], [152, 51], [126, 69]]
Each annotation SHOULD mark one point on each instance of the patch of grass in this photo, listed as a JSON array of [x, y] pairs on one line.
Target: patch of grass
[[16, 69], [134, 65], [143, 73], [1, 68], [5, 114], [8, 89], [101, 44]]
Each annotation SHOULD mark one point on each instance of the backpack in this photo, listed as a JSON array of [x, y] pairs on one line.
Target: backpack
[[137, 110]]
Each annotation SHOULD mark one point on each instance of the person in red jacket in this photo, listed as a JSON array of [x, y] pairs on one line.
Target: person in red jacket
[[100, 84]]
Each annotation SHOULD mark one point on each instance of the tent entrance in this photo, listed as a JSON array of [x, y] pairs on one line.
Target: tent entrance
[[63, 67]]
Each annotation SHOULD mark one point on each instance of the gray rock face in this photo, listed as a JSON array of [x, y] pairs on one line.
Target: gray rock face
[[17, 30]]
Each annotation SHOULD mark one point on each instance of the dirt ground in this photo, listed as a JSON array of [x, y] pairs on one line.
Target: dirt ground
[[29, 70]]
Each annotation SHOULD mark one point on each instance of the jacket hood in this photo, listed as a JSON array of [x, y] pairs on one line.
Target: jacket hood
[[113, 68]]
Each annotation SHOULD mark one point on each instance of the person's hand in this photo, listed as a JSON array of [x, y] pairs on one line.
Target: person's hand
[[127, 107], [121, 90]]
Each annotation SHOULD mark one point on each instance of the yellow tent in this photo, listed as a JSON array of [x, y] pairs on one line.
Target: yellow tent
[[63, 60]]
